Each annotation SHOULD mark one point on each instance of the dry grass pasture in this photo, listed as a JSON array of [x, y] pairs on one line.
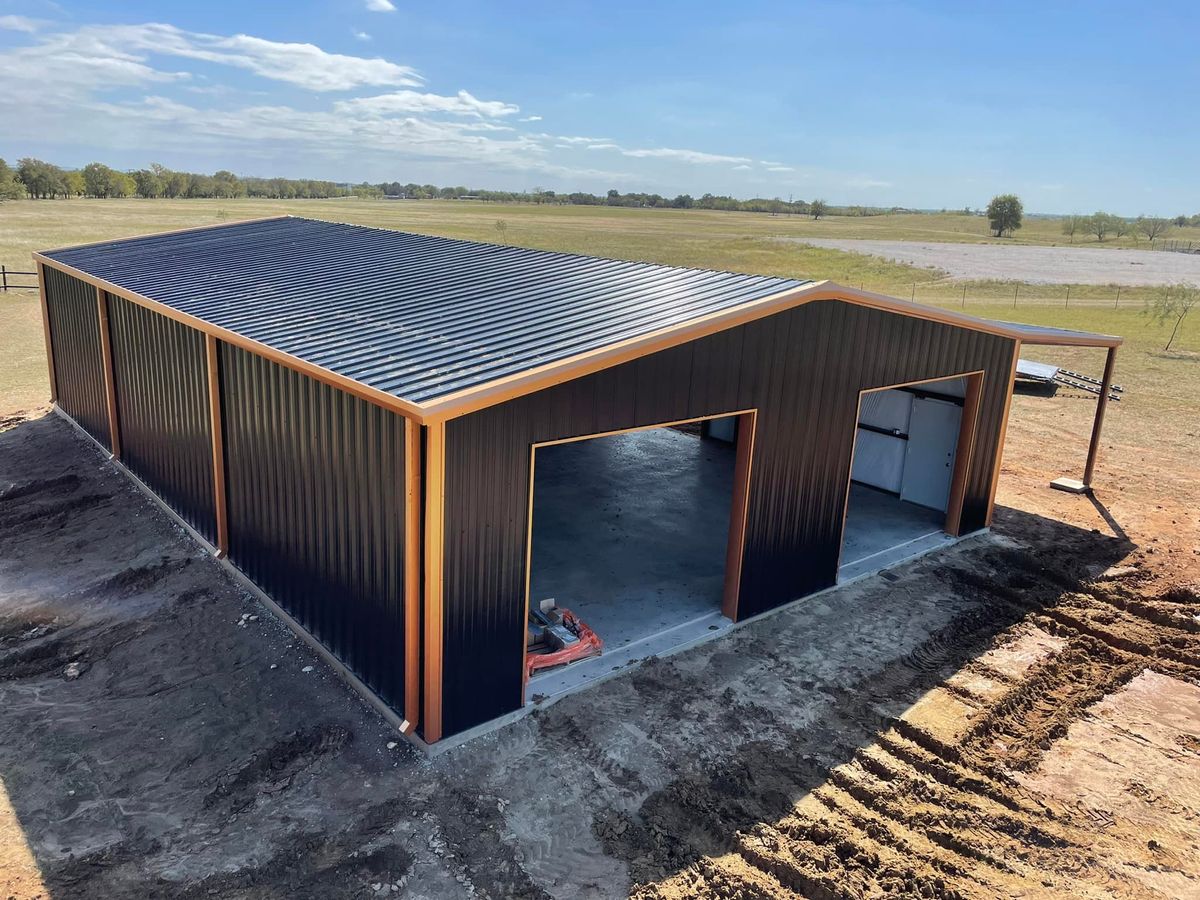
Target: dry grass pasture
[[1015, 716], [743, 242]]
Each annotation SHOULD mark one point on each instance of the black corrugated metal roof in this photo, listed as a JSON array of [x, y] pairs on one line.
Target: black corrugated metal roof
[[415, 316]]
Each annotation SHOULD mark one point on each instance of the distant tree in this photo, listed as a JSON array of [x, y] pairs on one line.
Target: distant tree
[[96, 179], [149, 184], [1005, 213], [1102, 224], [1072, 225], [1122, 227], [1173, 305], [41, 179], [818, 208], [73, 181], [1153, 227], [1181, 221], [10, 188], [683, 201]]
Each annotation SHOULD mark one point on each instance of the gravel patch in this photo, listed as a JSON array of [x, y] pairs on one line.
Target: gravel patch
[[1034, 265]]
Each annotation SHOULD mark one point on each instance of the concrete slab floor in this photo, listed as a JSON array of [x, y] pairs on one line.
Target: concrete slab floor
[[877, 521], [630, 530]]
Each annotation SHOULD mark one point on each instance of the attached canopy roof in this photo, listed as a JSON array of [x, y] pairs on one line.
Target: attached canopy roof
[[436, 327]]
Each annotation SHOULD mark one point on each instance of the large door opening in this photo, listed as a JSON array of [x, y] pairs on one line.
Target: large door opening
[[912, 451], [639, 535]]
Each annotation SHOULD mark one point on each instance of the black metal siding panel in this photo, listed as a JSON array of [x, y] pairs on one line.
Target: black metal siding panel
[[802, 369], [415, 316], [316, 489], [75, 341], [161, 377]]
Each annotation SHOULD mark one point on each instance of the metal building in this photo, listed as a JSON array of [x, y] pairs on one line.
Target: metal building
[[362, 421]]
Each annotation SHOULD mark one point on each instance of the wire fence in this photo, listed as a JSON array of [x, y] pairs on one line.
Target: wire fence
[[1178, 246], [6, 280], [1018, 294]]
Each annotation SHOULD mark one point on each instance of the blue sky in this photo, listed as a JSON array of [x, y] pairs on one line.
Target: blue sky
[[1074, 106]]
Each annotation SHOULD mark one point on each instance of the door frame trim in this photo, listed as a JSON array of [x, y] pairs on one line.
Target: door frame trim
[[964, 449], [747, 427]]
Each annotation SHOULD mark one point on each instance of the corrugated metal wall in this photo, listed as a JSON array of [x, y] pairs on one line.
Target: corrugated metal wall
[[161, 379], [802, 369], [75, 338], [316, 510]]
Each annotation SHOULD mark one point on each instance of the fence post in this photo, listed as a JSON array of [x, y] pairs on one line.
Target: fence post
[[1067, 302], [964, 303], [4, 277], [1016, 287], [914, 293], [1118, 300]]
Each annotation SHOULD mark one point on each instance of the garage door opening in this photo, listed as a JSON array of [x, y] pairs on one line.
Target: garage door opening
[[638, 535], [912, 452]]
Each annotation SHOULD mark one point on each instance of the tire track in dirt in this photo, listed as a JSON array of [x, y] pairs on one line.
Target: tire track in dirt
[[933, 805]]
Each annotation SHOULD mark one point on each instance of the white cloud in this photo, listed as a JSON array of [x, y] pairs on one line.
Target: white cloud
[[603, 147], [585, 140], [462, 104], [381, 6], [690, 156], [778, 168], [742, 168], [361, 35], [769, 162], [19, 23], [531, 119], [126, 49], [864, 182]]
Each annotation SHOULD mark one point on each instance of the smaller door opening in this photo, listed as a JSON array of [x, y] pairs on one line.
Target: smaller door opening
[[638, 534], [911, 454]]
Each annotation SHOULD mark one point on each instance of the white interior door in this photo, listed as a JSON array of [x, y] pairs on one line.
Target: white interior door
[[929, 462]]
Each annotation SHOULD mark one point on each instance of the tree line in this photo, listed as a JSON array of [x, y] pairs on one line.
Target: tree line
[[41, 180], [1102, 225]]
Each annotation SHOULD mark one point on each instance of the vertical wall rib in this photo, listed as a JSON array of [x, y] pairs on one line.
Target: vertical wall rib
[[801, 369], [78, 363], [316, 490], [161, 379]]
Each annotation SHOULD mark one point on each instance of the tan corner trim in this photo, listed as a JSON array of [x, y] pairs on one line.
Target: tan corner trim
[[964, 452], [412, 572], [503, 389], [106, 361], [737, 525], [435, 516], [41, 276], [169, 231], [528, 573], [1008, 399], [320, 373], [953, 515], [739, 511], [216, 426]]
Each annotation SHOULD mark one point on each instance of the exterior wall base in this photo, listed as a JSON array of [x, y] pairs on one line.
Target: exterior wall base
[[485, 728], [352, 681]]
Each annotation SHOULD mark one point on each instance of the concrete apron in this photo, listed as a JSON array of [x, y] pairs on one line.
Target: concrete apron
[[611, 670]]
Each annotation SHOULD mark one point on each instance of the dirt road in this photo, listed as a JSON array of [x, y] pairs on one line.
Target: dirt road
[[1002, 719], [1032, 265]]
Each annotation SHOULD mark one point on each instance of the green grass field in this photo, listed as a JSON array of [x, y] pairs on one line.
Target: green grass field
[[1168, 384]]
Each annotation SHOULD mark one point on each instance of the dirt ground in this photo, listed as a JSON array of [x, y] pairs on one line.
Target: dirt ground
[[1016, 716], [1032, 265]]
